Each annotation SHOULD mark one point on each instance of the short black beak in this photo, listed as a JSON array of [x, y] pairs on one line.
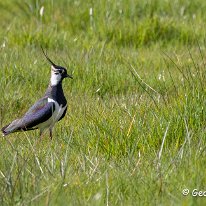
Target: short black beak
[[69, 76]]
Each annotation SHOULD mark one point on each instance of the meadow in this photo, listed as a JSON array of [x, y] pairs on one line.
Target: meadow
[[135, 131]]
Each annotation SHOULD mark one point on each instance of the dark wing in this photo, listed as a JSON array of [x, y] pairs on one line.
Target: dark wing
[[40, 112]]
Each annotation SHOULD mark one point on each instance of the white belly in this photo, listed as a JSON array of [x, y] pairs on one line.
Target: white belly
[[58, 112]]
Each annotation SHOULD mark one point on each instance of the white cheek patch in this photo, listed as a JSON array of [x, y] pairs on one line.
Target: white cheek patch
[[55, 78]]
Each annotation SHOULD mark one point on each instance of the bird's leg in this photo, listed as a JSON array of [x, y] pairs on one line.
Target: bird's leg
[[41, 134], [50, 133]]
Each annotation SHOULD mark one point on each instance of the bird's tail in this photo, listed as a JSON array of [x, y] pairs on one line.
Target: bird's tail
[[12, 127]]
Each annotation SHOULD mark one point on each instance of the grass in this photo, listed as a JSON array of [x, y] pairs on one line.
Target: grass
[[134, 133]]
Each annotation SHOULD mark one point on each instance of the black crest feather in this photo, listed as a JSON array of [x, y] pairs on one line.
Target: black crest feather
[[49, 60]]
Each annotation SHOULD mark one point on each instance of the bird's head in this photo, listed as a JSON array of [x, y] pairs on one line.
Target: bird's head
[[58, 73]]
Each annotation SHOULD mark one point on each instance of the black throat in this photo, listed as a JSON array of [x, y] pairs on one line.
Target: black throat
[[56, 93]]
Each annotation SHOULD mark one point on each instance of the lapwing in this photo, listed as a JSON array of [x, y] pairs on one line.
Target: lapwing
[[48, 110]]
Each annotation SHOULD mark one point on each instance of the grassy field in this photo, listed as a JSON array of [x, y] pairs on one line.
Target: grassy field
[[135, 131]]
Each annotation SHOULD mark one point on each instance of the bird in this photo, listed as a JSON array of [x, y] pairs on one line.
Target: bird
[[48, 110]]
